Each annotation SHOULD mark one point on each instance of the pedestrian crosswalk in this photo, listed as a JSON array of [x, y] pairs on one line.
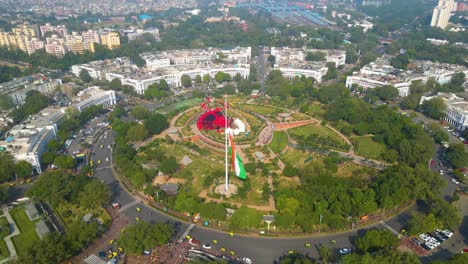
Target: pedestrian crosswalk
[[127, 206]]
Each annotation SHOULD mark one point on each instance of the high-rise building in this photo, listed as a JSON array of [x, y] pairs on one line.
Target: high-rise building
[[442, 12], [110, 39]]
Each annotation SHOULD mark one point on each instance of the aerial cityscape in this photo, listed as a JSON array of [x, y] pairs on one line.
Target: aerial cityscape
[[241, 131]]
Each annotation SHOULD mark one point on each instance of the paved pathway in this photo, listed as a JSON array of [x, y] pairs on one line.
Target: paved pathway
[[7, 239]]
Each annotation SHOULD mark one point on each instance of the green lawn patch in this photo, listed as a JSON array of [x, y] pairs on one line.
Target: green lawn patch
[[279, 142], [5, 231], [263, 110], [28, 236], [328, 138], [367, 147]]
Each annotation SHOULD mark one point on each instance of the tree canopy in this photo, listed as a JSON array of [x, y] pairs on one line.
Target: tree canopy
[[143, 236]]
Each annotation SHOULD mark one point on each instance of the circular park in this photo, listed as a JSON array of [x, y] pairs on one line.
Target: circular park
[[303, 169]]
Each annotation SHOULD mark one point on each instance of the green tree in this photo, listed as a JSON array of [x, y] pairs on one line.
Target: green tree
[[245, 218], [421, 223], [374, 240], [156, 123], [65, 162], [331, 72], [271, 59], [325, 253], [401, 61], [140, 112], [85, 77], [206, 78], [116, 84], [315, 56], [457, 156], [23, 169], [95, 194], [295, 258], [458, 79], [186, 80], [137, 132], [386, 92], [53, 187], [7, 166], [289, 171], [169, 165], [143, 236], [198, 79], [434, 108], [221, 77], [250, 167], [5, 102]]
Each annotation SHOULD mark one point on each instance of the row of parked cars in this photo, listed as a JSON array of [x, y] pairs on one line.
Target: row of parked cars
[[434, 240]]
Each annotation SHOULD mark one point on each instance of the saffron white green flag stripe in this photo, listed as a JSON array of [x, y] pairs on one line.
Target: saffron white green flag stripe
[[236, 161]]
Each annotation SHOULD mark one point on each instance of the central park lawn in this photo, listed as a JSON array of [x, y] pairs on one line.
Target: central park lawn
[[367, 147], [28, 236], [279, 142], [318, 129], [4, 253], [263, 110]]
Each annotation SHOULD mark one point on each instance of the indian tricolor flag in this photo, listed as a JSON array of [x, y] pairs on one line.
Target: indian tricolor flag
[[236, 161]]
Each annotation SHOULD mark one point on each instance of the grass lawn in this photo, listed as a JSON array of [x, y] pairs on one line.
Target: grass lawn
[[287, 183], [279, 142], [318, 129], [185, 117], [263, 110], [299, 117], [368, 148], [294, 157], [348, 169], [254, 196], [4, 253], [28, 236]]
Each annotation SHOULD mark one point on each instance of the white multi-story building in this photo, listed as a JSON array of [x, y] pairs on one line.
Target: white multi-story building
[[381, 73], [98, 69], [456, 109], [94, 96], [156, 61], [368, 82], [18, 89], [138, 33], [173, 75], [28, 140], [292, 62]]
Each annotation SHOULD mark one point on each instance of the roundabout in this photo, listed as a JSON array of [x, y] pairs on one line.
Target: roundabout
[[270, 247]]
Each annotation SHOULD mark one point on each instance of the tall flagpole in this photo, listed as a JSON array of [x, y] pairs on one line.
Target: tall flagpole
[[226, 141]]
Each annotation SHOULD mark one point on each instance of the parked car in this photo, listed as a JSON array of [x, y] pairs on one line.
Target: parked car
[[416, 241], [192, 241], [116, 206], [455, 181], [207, 246], [344, 251]]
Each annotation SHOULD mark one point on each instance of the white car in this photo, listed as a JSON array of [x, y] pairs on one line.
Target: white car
[[207, 246], [107, 159], [447, 233], [247, 260], [455, 181], [424, 237], [441, 172]]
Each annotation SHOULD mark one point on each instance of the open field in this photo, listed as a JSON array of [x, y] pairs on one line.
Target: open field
[[367, 147], [279, 142], [28, 236]]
